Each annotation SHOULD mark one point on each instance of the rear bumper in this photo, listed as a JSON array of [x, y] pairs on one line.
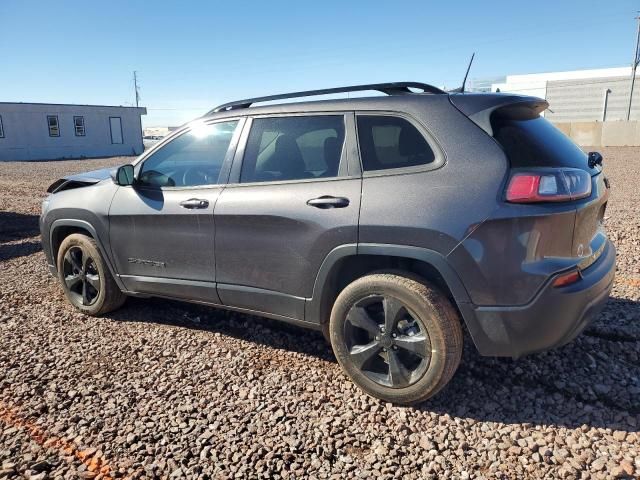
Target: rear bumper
[[553, 318]]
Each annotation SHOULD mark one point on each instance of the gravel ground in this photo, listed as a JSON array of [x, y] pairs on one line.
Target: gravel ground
[[163, 389]]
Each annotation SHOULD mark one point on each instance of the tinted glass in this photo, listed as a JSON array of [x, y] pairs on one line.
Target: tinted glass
[[293, 148], [194, 158], [537, 143], [391, 142]]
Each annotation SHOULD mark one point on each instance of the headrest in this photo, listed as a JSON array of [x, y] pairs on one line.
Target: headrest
[[287, 157]]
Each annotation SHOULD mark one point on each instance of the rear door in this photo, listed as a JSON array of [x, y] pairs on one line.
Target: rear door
[[293, 196], [161, 228]]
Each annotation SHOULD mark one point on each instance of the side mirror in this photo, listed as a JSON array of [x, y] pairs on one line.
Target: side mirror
[[124, 176], [595, 158]]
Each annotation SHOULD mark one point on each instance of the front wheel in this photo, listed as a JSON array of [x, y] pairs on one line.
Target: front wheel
[[397, 337], [85, 278]]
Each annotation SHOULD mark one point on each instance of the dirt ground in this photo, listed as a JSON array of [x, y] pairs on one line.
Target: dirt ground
[[162, 388]]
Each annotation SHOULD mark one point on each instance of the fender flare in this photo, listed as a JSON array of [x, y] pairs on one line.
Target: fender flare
[[70, 222], [313, 306]]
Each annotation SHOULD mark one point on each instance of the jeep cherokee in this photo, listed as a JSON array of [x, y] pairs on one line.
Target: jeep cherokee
[[386, 222]]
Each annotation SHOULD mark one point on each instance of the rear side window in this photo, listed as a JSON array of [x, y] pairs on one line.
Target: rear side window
[[293, 148], [536, 142], [391, 142]]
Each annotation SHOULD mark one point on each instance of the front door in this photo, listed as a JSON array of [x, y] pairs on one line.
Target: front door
[[161, 228], [292, 201]]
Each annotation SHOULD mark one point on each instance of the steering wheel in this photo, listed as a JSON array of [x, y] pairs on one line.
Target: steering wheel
[[157, 179], [195, 176]]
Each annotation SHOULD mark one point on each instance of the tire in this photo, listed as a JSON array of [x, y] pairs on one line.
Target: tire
[[422, 356], [85, 278]]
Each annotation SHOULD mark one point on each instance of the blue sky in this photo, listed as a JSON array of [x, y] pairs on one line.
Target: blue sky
[[193, 55]]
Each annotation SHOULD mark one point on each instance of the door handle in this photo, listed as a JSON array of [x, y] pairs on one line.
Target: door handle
[[193, 203], [327, 201]]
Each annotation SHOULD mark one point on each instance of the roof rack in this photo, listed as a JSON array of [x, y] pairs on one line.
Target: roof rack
[[394, 88]]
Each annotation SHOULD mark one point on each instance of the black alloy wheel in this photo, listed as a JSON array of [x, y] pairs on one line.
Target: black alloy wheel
[[396, 336], [81, 276], [386, 341]]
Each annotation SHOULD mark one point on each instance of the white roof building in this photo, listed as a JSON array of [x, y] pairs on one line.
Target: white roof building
[[575, 96], [47, 131]]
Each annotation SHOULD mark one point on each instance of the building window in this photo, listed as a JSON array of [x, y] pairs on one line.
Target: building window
[[78, 125], [52, 122], [1, 128]]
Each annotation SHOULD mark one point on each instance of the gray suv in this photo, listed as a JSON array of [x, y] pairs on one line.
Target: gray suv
[[387, 222]]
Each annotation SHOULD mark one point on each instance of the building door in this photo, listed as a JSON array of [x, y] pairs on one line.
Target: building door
[[116, 129]]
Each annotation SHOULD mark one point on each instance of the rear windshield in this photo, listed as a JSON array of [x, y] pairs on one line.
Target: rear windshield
[[537, 143]]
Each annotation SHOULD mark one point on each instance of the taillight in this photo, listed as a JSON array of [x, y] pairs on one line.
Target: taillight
[[559, 185]]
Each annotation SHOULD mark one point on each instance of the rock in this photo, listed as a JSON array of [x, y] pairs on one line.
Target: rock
[[598, 464], [162, 388], [627, 467], [619, 435], [86, 474], [426, 443], [381, 450], [601, 388]]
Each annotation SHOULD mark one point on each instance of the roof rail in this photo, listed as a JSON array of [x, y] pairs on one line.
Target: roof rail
[[394, 88]]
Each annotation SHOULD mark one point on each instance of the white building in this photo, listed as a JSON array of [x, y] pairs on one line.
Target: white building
[[536, 84], [44, 131], [578, 95]]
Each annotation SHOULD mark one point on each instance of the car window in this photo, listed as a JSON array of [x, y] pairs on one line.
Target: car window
[[391, 142], [536, 142], [293, 148], [194, 158]]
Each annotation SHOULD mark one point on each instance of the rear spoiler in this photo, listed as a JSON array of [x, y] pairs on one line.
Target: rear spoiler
[[479, 107]]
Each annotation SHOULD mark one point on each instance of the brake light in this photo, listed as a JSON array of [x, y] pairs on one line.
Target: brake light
[[559, 185]]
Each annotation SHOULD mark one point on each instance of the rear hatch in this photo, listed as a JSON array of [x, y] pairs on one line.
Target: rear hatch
[[535, 147], [534, 143]]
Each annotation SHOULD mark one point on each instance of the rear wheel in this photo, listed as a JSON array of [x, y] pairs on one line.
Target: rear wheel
[[396, 336], [85, 278]]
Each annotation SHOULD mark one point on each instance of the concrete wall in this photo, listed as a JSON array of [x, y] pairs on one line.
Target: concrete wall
[[603, 134], [26, 132]]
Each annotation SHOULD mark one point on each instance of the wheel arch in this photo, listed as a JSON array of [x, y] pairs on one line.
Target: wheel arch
[[346, 263], [62, 228]]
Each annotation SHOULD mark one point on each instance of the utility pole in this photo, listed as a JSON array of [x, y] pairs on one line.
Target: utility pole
[[137, 89], [634, 65]]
